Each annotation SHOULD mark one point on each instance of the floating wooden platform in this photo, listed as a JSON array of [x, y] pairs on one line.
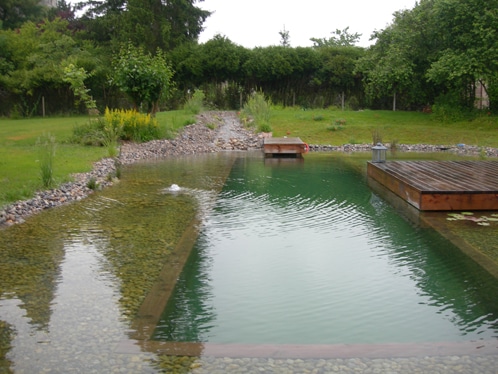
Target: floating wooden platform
[[440, 185], [290, 147]]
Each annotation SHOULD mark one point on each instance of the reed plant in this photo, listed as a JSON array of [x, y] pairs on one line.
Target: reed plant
[[195, 103], [46, 154], [259, 109]]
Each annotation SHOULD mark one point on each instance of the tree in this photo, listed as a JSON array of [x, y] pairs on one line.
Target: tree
[[149, 23], [340, 38], [143, 77], [221, 59], [76, 76], [13, 13], [469, 52], [284, 38], [336, 73], [185, 20], [394, 68], [34, 56]]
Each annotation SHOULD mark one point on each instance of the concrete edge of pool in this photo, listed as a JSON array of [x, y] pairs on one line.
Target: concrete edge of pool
[[303, 351]]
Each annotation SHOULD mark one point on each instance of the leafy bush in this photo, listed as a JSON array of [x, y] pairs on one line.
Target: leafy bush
[[90, 133], [449, 108]]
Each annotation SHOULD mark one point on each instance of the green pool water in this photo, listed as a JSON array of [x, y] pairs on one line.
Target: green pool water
[[302, 252]]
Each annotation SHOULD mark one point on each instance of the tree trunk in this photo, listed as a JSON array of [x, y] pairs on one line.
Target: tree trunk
[[394, 101]]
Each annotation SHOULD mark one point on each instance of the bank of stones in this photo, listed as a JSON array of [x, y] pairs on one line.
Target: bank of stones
[[213, 132]]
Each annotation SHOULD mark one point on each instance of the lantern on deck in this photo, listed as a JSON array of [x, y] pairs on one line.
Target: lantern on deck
[[379, 153]]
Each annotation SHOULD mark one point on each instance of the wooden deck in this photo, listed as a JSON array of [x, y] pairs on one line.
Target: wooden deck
[[440, 185], [290, 147]]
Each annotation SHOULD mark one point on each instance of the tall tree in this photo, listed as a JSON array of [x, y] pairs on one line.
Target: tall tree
[[469, 52], [185, 19], [153, 24], [13, 13]]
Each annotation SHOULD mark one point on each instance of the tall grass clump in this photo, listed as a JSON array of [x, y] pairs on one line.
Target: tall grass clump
[[111, 133], [259, 109], [46, 152], [195, 103]]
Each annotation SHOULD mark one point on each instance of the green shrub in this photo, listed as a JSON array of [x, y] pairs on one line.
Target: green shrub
[[90, 133], [92, 184], [450, 108], [195, 103], [264, 128]]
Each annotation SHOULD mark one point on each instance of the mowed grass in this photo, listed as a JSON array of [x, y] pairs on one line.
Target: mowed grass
[[20, 174], [320, 127]]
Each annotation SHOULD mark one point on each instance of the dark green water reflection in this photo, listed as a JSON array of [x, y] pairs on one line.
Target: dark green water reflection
[[303, 252]]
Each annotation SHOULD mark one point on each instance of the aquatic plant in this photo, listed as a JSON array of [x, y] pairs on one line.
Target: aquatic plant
[[469, 216]]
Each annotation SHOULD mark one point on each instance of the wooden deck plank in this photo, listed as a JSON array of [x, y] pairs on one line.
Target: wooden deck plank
[[441, 185]]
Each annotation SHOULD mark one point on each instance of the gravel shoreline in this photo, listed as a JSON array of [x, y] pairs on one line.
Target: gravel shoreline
[[213, 132]]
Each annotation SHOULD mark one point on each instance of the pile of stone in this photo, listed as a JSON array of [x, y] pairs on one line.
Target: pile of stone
[[459, 149]]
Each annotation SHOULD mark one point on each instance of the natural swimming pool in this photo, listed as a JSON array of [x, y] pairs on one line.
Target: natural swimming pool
[[72, 279], [302, 252]]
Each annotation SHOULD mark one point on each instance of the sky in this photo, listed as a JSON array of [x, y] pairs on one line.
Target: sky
[[257, 23]]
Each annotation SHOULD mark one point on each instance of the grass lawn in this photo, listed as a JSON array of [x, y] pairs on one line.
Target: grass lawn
[[20, 174], [321, 127], [20, 171]]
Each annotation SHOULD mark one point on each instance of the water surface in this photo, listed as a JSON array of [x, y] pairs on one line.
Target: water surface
[[302, 252]]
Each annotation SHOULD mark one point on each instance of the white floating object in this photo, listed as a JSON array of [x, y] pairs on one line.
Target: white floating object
[[174, 188]]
